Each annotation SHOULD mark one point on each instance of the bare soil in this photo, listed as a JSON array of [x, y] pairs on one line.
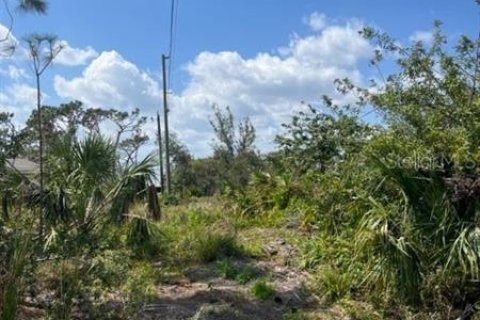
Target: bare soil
[[201, 293]]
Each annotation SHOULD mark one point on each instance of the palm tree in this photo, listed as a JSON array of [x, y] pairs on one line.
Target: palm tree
[[85, 183]]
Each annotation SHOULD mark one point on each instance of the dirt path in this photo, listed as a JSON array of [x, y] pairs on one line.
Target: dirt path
[[202, 292]]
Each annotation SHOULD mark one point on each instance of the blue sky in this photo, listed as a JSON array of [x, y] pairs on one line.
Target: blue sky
[[261, 57]]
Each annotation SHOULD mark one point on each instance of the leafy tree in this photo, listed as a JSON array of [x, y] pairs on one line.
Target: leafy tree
[[58, 121], [129, 123], [8, 137], [224, 129], [235, 155], [407, 192], [207, 179], [93, 117], [246, 136], [182, 173], [418, 233], [315, 140], [73, 118]]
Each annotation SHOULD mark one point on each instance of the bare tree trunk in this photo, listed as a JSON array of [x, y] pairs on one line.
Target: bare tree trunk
[[153, 204], [41, 142]]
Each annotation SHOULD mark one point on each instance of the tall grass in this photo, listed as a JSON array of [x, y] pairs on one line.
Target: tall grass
[[11, 282]]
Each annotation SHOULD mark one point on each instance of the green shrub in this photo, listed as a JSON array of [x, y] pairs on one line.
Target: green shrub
[[227, 269], [143, 236], [334, 284], [111, 267], [240, 274], [246, 275], [213, 246], [140, 286], [262, 289]]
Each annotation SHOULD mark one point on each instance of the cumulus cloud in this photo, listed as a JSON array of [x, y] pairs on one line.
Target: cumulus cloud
[[423, 36], [111, 81], [70, 56], [14, 73], [19, 99], [267, 87], [316, 21]]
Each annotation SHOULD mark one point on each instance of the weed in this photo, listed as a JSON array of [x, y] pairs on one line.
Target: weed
[[333, 283], [211, 247], [143, 236], [227, 269], [246, 275], [295, 315], [240, 274], [14, 276], [262, 290], [140, 285], [67, 288]]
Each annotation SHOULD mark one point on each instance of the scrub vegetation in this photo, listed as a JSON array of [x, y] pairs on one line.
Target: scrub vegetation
[[346, 219]]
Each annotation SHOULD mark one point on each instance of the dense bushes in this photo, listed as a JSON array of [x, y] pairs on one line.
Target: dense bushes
[[389, 213], [395, 209]]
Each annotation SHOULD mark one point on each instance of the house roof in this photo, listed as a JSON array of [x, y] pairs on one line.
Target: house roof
[[23, 165]]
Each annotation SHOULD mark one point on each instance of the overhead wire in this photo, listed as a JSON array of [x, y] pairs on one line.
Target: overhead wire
[[173, 35]]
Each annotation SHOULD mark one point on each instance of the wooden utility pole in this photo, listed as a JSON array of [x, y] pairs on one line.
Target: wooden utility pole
[[160, 152], [167, 137]]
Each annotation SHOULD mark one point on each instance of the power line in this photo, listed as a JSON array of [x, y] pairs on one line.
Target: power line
[[172, 23], [173, 36]]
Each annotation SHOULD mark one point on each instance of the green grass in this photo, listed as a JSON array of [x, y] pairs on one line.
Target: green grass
[[263, 290], [200, 232], [241, 274], [14, 277], [227, 269], [211, 247], [295, 315], [246, 275]]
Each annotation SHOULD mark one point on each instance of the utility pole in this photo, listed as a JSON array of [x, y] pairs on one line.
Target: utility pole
[[160, 152], [167, 137]]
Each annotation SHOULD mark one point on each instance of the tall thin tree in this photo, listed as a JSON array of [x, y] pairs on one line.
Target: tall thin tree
[[42, 48]]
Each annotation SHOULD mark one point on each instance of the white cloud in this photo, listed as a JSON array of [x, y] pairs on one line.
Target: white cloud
[[14, 73], [316, 21], [111, 81], [74, 56], [19, 99], [268, 88], [423, 36], [8, 42], [339, 46]]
